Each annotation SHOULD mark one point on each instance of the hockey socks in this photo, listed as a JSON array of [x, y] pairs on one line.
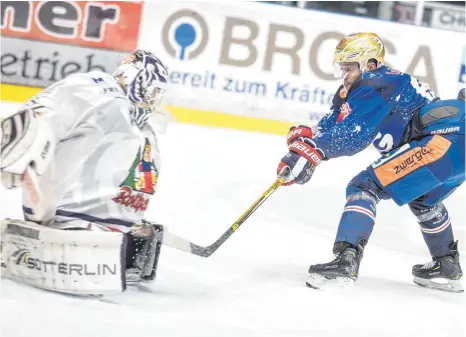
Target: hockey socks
[[435, 226], [357, 220]]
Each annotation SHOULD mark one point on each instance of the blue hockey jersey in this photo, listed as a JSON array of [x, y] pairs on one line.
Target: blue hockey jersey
[[379, 109]]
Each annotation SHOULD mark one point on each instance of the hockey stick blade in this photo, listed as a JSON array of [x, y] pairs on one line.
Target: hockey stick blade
[[177, 242]]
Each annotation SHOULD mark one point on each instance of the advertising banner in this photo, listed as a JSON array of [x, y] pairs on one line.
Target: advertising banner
[[39, 64], [462, 76], [446, 18], [43, 42], [274, 62]]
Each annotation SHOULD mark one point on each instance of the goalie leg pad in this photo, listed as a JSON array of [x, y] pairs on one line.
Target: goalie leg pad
[[77, 262]]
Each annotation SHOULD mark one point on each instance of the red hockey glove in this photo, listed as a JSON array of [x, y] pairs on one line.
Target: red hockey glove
[[299, 132], [302, 160]]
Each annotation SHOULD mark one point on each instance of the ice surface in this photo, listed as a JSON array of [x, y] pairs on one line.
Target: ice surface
[[254, 285]]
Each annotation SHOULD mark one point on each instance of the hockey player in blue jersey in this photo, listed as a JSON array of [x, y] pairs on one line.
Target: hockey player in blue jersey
[[421, 139]]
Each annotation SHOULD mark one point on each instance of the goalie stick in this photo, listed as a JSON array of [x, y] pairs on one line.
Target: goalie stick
[[177, 242]]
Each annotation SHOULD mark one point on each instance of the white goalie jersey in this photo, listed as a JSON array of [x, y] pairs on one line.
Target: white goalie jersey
[[104, 168], [85, 153]]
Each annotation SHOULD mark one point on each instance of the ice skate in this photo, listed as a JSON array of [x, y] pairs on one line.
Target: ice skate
[[442, 273], [342, 271]]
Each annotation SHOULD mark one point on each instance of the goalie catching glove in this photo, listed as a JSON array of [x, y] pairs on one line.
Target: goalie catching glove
[[303, 158], [26, 141]]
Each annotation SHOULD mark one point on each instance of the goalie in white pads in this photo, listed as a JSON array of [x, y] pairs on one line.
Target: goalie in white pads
[[85, 152]]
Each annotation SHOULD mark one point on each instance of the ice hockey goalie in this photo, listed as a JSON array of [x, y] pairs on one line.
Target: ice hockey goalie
[[85, 153]]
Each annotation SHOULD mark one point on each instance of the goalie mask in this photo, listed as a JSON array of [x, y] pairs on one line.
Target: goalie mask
[[144, 79]]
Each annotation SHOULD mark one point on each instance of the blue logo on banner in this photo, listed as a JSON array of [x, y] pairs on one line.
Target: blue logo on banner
[[187, 40], [185, 35]]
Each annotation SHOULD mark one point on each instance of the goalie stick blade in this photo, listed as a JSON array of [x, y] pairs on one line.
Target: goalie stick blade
[[317, 281], [440, 284]]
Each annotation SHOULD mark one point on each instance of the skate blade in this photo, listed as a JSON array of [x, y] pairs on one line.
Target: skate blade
[[440, 284], [317, 281]]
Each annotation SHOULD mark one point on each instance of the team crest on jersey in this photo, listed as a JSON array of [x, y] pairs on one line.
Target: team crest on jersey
[[141, 181]]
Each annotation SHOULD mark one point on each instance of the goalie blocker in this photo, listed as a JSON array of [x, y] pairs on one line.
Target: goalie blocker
[[79, 262]]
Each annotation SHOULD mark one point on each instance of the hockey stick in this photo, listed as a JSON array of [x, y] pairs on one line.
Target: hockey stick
[[177, 242], [37, 199]]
